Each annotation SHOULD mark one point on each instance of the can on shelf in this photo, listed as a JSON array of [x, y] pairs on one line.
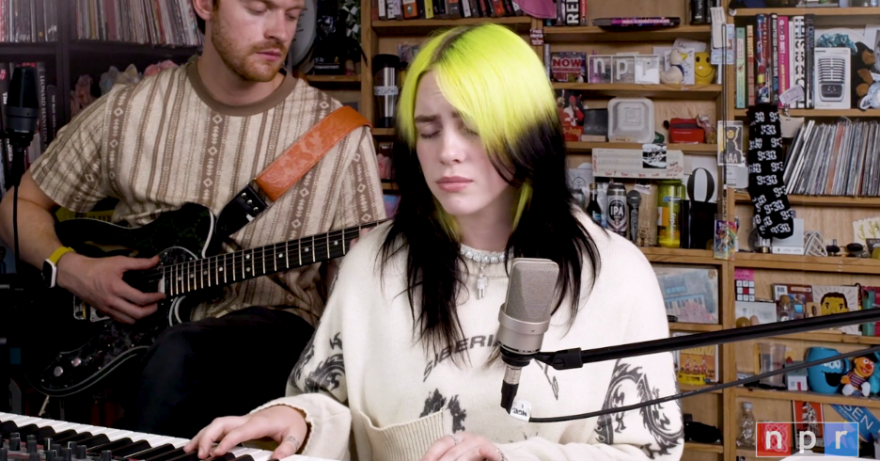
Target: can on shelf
[[617, 208]]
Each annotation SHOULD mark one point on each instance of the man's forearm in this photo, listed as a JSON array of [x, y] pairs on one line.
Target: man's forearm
[[36, 230]]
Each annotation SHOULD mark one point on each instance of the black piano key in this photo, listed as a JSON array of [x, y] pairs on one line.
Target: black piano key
[[134, 447], [60, 437], [24, 431], [96, 450], [194, 456], [8, 426], [167, 456], [44, 432], [244, 458], [66, 439], [226, 457], [144, 455], [92, 441]]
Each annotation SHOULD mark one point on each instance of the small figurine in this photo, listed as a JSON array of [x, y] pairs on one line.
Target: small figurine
[[704, 71], [857, 379], [833, 249], [704, 123], [675, 73]]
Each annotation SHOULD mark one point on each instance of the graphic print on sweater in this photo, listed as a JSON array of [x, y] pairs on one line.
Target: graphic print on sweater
[[436, 401], [327, 375], [654, 418]]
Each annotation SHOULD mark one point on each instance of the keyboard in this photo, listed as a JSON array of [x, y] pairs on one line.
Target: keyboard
[[27, 438]]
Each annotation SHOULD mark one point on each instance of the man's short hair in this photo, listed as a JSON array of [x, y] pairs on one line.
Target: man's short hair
[[201, 22]]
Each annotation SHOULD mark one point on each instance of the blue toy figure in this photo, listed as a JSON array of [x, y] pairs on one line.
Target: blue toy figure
[[825, 378]]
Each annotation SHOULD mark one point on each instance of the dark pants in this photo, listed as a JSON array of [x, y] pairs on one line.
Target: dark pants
[[226, 366]]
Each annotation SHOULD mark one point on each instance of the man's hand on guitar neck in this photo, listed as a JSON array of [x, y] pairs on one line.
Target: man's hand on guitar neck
[[99, 283]]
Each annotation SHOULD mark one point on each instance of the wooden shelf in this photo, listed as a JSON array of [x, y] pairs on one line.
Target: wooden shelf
[[592, 34], [696, 327], [335, 80], [519, 24], [688, 92], [838, 338], [822, 112], [838, 399], [751, 453], [833, 264], [680, 256], [158, 51], [821, 201], [704, 447], [830, 11], [697, 149], [27, 50], [695, 387], [385, 132]]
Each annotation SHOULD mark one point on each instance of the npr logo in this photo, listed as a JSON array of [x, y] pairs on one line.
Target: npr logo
[[774, 439]]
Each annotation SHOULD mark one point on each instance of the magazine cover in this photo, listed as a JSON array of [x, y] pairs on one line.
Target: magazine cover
[[568, 66], [690, 293], [698, 365], [834, 299], [808, 417]]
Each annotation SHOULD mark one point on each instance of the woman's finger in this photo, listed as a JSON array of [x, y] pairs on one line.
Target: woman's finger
[[439, 448], [288, 447]]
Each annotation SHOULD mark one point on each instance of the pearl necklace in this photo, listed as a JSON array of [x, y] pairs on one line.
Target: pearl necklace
[[483, 258]]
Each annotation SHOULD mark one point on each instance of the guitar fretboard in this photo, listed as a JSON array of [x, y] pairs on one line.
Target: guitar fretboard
[[226, 268]]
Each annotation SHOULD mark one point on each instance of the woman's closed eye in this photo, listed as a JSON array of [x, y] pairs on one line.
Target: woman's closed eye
[[430, 135]]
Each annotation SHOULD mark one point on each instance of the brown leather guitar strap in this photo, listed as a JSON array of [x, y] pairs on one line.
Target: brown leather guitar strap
[[261, 192]]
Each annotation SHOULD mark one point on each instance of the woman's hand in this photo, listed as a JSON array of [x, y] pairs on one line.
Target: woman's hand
[[281, 423], [463, 447]]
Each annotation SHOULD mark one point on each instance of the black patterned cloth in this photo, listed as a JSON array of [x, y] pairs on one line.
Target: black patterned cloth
[[766, 167]]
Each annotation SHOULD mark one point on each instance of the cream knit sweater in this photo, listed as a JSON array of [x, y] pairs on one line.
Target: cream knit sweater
[[371, 392]]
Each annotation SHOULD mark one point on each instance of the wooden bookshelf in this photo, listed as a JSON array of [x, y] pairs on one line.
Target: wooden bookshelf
[[704, 447], [860, 12], [695, 327], [28, 50], [696, 149], [836, 399], [411, 27], [830, 264], [821, 201], [838, 338], [819, 113], [384, 132], [680, 256], [695, 387], [334, 78], [91, 47], [591, 34], [656, 91]]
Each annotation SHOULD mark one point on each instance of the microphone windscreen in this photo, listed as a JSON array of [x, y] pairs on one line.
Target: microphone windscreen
[[23, 88], [633, 198], [531, 291]]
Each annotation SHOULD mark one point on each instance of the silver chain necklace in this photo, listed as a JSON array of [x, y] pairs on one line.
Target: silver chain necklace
[[483, 258]]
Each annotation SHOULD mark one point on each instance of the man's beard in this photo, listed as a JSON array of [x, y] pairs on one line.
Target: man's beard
[[237, 60]]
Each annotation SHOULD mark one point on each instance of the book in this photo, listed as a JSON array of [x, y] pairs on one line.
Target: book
[[807, 417], [696, 366]]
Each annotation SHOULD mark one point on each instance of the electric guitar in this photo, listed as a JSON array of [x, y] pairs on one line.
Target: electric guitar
[[191, 264]]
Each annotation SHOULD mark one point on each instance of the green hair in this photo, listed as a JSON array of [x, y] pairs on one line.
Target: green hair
[[472, 67]]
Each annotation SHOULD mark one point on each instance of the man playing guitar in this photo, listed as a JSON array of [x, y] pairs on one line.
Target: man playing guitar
[[198, 134]]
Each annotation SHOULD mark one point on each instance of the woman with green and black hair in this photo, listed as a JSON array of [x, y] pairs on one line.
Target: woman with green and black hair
[[404, 365]]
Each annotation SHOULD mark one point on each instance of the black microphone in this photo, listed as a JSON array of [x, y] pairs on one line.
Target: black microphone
[[22, 107], [524, 318], [633, 199]]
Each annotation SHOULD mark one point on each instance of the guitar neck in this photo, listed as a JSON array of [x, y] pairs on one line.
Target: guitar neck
[[227, 268]]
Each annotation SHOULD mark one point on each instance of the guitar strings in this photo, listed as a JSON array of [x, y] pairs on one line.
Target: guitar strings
[[259, 255]]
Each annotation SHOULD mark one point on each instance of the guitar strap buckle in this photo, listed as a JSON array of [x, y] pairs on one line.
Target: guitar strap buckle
[[247, 204]]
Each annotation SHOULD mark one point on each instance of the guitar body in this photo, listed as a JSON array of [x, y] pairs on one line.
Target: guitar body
[[101, 345], [85, 348]]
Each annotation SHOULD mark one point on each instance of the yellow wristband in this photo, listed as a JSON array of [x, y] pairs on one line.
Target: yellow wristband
[[57, 254]]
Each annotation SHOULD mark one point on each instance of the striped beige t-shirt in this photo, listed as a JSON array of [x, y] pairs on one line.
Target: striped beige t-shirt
[[166, 141]]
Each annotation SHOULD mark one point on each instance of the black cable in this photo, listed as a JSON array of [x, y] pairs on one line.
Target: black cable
[[593, 414]]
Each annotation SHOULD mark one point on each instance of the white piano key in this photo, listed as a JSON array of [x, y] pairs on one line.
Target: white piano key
[[177, 443]]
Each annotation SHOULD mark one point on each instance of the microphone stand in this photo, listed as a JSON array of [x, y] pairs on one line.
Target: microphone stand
[[576, 358]]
